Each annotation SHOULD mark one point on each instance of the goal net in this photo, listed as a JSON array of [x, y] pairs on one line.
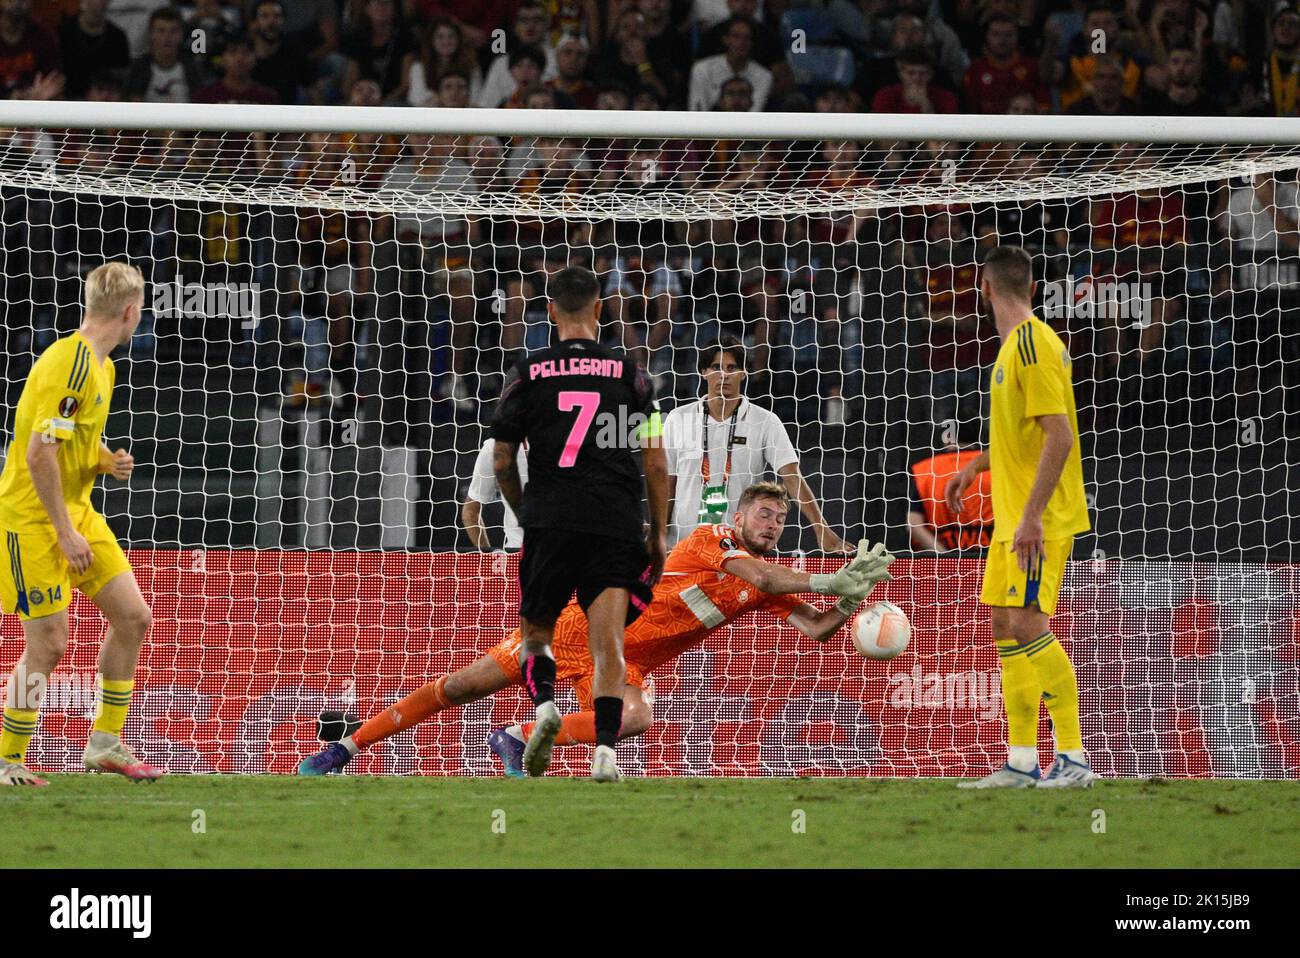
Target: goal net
[[335, 294]]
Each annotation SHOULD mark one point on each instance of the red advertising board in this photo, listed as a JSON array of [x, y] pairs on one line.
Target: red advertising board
[[1184, 670]]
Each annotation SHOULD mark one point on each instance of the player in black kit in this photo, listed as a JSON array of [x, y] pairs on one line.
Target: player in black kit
[[582, 407]]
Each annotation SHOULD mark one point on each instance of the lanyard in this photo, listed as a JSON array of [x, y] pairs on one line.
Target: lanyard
[[731, 439]]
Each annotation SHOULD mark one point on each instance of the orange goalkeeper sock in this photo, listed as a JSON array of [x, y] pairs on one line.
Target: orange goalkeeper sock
[[579, 728], [415, 708]]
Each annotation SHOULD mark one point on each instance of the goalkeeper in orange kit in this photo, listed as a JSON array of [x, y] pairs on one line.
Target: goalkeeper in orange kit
[[712, 577]]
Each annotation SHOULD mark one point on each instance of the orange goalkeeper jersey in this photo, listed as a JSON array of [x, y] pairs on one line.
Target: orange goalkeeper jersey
[[695, 596]]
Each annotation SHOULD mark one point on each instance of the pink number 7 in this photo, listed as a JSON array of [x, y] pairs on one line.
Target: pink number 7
[[586, 403]]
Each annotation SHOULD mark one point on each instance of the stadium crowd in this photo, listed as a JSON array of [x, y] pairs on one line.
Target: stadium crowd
[[438, 304]]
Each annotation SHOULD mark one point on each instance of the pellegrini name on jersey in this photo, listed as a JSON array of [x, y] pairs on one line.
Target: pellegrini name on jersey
[[586, 366]]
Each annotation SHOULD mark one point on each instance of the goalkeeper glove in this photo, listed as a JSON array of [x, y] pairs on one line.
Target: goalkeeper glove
[[850, 603], [864, 571]]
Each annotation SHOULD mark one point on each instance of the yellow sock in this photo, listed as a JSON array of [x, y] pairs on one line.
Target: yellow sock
[[18, 728], [1060, 690], [113, 700], [1020, 694]]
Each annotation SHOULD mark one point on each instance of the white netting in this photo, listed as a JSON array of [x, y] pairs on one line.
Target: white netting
[[330, 315]]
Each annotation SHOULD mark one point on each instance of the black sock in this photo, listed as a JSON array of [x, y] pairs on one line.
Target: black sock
[[609, 719], [539, 678]]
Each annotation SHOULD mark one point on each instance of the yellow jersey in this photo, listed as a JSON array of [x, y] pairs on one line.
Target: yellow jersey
[[66, 396], [1032, 378]]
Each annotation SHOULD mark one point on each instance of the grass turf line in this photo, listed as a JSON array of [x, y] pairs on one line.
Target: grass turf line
[[284, 822]]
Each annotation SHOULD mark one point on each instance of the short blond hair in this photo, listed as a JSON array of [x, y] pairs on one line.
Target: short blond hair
[[111, 288]]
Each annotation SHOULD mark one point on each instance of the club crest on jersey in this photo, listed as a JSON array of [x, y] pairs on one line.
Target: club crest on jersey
[[35, 597], [68, 406], [997, 375], [727, 543]]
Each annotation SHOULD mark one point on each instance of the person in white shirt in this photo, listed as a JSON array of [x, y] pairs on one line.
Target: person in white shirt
[[531, 28], [483, 489], [722, 444], [708, 75], [1262, 216]]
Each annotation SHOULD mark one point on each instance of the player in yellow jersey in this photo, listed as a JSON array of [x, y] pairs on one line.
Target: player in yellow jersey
[[55, 541], [1038, 508]]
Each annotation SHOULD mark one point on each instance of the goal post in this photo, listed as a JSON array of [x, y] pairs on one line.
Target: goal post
[[335, 294]]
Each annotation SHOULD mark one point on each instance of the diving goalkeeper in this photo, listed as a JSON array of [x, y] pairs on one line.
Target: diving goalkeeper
[[712, 577]]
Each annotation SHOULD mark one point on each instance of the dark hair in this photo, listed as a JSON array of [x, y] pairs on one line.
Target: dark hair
[[728, 87], [727, 344], [915, 56], [613, 88], [237, 39], [535, 89], [462, 61], [725, 26], [645, 90], [999, 18], [453, 73], [165, 13], [259, 4], [573, 289], [1010, 269], [528, 51]]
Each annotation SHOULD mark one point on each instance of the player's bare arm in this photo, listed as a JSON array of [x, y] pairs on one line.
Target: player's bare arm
[[119, 464], [923, 536], [47, 477], [654, 463], [1058, 439], [797, 486], [775, 579], [505, 463], [819, 625], [957, 485], [471, 517]]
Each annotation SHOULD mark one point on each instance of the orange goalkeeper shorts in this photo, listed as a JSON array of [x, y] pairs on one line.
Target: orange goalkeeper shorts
[[572, 657]]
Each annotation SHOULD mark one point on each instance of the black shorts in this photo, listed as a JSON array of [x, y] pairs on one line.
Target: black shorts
[[556, 563]]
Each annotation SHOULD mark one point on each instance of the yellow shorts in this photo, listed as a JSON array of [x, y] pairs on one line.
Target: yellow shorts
[[1006, 585], [39, 581]]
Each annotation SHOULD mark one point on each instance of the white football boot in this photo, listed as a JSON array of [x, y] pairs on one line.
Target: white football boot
[[1005, 777], [15, 773], [537, 753], [106, 753], [604, 765], [1067, 773]]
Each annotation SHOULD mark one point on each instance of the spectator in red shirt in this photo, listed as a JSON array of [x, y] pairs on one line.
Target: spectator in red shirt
[[960, 344], [237, 84], [1142, 236], [917, 92], [1002, 72], [571, 56], [29, 55], [476, 20]]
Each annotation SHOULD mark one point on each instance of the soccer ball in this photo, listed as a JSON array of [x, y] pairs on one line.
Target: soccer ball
[[882, 631]]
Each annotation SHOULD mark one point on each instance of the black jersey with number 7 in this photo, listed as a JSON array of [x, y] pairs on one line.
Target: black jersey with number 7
[[583, 408]]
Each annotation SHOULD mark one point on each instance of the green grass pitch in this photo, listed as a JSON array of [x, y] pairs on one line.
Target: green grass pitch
[[281, 821]]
